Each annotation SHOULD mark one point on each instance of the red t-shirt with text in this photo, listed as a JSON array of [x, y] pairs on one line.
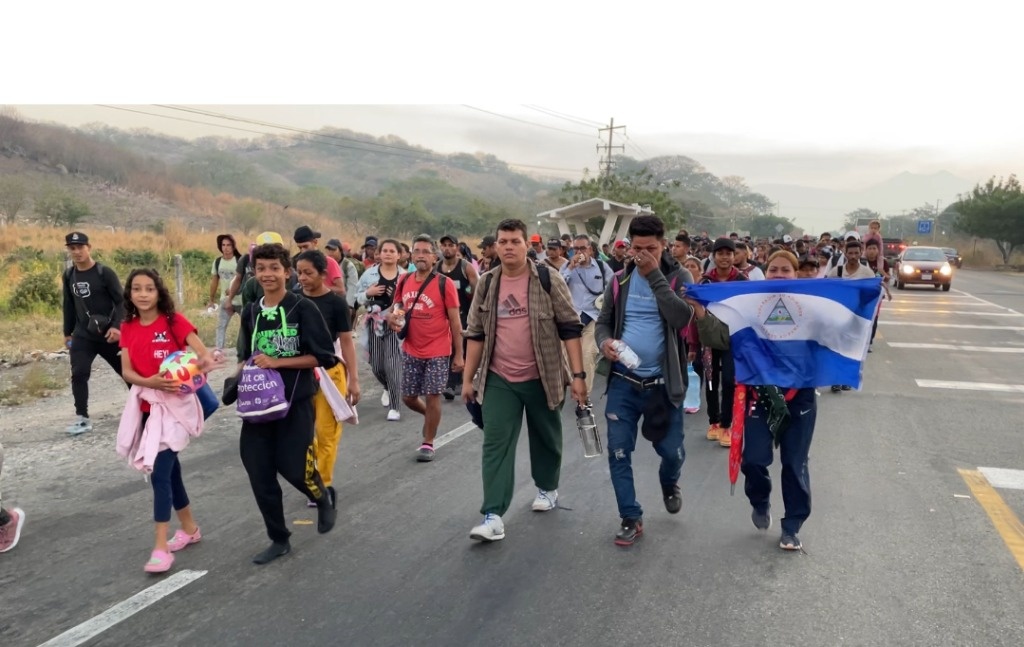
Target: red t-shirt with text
[[429, 332], [148, 345]]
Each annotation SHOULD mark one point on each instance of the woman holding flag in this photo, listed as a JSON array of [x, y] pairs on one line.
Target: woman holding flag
[[765, 415]]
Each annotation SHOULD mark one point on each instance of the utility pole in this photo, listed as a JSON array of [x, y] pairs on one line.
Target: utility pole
[[605, 163]]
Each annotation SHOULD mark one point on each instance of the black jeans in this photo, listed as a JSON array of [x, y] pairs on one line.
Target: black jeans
[[83, 352], [720, 389], [282, 447]]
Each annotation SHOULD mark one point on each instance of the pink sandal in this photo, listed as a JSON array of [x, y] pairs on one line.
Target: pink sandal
[[159, 562], [182, 539]]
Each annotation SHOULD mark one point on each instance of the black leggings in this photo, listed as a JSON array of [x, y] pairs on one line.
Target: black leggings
[[721, 388], [282, 447], [83, 352]]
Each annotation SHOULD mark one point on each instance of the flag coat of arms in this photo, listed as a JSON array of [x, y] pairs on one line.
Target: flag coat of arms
[[795, 333]]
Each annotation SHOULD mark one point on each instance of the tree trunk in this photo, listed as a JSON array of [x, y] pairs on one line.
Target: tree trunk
[[1005, 249]]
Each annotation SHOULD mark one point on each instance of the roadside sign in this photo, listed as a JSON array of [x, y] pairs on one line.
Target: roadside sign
[[924, 226]]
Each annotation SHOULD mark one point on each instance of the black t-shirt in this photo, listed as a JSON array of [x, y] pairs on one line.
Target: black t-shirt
[[462, 286], [95, 291], [300, 331], [384, 300], [616, 264], [335, 312]]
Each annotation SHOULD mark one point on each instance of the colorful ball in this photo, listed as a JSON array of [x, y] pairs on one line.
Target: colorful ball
[[183, 366]]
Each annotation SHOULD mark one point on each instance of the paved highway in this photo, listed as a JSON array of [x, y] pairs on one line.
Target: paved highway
[[911, 539]]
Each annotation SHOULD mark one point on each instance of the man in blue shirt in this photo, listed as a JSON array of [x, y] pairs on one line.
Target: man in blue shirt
[[644, 309], [587, 278]]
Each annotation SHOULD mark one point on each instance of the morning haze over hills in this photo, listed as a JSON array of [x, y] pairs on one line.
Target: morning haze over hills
[[344, 175]]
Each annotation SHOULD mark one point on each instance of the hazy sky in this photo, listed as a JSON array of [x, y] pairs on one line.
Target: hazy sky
[[833, 95]]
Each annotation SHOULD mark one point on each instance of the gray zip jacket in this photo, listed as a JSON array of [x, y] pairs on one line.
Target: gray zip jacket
[[675, 314]]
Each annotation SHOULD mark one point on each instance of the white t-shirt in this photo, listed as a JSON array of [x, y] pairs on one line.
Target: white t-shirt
[[226, 274], [863, 272]]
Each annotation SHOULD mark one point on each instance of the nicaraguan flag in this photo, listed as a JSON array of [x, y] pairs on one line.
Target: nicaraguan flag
[[795, 333]]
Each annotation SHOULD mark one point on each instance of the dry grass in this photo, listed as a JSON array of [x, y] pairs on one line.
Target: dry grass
[[38, 380], [31, 332]]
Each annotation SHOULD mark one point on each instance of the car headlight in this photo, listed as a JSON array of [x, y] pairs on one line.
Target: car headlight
[[945, 270], [906, 268]]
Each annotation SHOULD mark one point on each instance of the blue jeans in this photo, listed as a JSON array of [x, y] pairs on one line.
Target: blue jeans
[[793, 450], [626, 405]]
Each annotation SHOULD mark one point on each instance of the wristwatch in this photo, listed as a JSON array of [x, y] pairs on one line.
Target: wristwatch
[[582, 375]]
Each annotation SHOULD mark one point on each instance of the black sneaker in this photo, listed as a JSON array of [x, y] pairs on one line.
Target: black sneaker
[[836, 388], [334, 496], [325, 514], [629, 532], [762, 520], [790, 542], [276, 549], [449, 394], [673, 499], [846, 387]]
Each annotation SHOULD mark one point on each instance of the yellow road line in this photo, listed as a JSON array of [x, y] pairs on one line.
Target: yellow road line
[[1007, 524]]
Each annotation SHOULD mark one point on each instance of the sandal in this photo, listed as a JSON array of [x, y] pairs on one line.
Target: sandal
[[159, 562], [182, 539]]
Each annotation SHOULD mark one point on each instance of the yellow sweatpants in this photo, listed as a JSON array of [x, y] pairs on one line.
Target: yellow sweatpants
[[328, 430]]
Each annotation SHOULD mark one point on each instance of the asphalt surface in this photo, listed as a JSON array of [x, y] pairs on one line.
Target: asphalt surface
[[897, 552]]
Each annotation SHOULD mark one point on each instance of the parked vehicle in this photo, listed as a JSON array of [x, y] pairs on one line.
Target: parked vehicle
[[953, 257], [923, 266], [892, 248]]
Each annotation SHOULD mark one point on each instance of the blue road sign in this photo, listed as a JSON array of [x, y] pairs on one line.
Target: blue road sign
[[924, 226]]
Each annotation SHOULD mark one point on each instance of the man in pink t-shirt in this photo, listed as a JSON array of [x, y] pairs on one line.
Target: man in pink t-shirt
[[432, 323]]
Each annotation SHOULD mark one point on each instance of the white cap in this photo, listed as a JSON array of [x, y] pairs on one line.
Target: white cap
[[851, 234], [787, 239]]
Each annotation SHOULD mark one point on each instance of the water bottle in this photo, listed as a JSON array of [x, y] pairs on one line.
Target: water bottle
[[399, 317], [589, 433], [692, 402], [627, 356]]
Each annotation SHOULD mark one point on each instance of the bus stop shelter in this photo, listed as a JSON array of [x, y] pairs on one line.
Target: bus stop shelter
[[572, 218]]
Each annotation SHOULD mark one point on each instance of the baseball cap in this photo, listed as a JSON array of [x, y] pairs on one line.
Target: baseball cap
[[851, 234], [787, 239], [345, 247], [304, 234], [723, 243], [269, 237], [76, 238], [620, 243], [370, 242], [333, 243], [487, 242], [450, 238], [536, 238], [554, 242]]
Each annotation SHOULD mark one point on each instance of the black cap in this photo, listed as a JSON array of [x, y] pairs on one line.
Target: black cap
[[304, 234], [723, 243], [370, 242], [333, 243], [487, 241], [554, 242], [450, 238], [76, 238]]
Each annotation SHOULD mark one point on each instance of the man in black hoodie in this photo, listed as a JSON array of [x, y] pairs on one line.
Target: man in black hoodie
[[649, 325]]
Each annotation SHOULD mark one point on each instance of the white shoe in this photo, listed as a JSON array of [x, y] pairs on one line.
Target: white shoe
[[545, 501], [492, 529], [394, 415], [385, 400], [80, 427]]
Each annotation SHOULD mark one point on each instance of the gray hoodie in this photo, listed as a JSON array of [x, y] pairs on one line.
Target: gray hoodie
[[675, 314]]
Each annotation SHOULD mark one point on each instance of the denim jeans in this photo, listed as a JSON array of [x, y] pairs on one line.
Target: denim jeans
[[625, 407], [793, 454]]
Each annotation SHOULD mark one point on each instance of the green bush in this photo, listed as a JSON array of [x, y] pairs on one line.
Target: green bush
[[132, 258], [23, 254], [37, 290]]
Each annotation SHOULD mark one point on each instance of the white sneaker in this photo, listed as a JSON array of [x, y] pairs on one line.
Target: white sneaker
[[492, 529], [80, 427], [394, 415], [545, 501], [385, 400]]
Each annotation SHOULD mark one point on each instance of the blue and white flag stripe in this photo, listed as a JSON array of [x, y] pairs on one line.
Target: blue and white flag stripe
[[795, 333]]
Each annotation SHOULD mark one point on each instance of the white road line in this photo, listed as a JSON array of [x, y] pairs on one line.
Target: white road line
[[945, 325], [453, 434], [971, 386], [123, 610], [1004, 478], [986, 302], [957, 312], [973, 349]]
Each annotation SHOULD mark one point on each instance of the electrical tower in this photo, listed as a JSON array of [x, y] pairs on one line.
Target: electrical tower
[[605, 163]]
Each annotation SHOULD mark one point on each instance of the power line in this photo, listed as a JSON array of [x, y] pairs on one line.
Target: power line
[[397, 150], [569, 118], [531, 123]]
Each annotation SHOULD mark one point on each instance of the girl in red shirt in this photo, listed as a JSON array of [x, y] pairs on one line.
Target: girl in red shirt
[[151, 331]]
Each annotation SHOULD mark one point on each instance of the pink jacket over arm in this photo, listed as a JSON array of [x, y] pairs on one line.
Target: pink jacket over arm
[[173, 420]]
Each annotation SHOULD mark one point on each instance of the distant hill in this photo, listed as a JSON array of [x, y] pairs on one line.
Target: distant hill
[[825, 208]]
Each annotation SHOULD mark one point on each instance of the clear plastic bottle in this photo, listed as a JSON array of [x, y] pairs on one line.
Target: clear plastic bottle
[[692, 402], [627, 356]]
